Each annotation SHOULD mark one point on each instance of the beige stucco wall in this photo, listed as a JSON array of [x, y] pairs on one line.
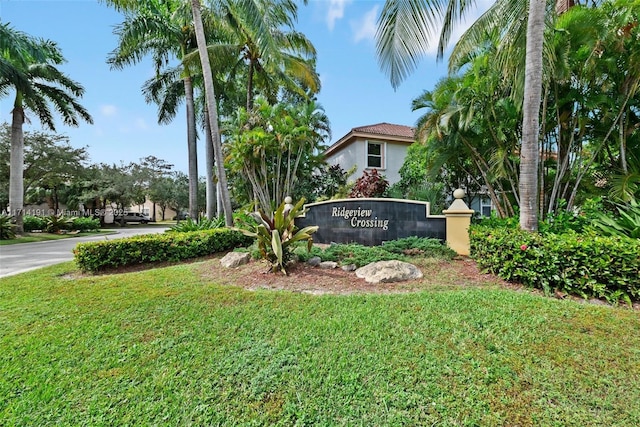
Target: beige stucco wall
[[355, 154]]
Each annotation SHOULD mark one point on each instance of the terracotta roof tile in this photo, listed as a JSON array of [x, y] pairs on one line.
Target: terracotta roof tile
[[387, 129]]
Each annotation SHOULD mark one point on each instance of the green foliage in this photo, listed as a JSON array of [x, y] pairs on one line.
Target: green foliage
[[32, 222], [148, 248], [190, 224], [400, 249], [57, 223], [370, 184], [6, 227], [626, 223], [276, 237], [423, 246], [85, 224], [577, 220], [323, 184], [588, 265], [356, 254], [271, 147]]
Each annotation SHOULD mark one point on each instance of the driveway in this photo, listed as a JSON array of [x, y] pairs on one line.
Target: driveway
[[23, 257]]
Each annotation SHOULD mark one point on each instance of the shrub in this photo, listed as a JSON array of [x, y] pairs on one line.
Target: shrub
[[584, 264], [276, 237], [400, 249], [578, 220], [370, 184], [56, 223], [423, 246], [6, 227], [147, 248], [359, 255], [190, 224], [85, 224], [625, 223], [31, 223]]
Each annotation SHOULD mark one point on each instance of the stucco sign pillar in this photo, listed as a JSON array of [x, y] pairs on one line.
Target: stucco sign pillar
[[458, 221]]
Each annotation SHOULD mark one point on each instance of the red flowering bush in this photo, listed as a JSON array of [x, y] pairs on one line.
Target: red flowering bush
[[370, 184]]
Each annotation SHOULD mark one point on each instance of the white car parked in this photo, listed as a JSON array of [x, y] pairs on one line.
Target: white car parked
[[133, 217]]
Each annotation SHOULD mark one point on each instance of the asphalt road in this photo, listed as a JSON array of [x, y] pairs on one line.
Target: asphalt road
[[23, 257]]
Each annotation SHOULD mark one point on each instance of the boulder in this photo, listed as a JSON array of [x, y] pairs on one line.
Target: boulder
[[329, 265], [235, 259], [388, 271], [314, 261]]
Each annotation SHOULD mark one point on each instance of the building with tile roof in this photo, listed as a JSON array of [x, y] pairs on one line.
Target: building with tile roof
[[381, 146]]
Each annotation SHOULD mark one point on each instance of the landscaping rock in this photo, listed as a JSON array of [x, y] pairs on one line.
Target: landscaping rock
[[314, 261], [349, 267], [235, 259], [328, 265], [388, 271]]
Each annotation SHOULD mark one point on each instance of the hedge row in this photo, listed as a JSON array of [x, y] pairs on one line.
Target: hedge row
[[148, 248], [578, 264]]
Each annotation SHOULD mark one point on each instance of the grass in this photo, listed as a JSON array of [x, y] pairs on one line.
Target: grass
[[41, 237], [165, 347]]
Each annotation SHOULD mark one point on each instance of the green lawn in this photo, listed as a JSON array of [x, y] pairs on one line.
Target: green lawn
[[163, 347]]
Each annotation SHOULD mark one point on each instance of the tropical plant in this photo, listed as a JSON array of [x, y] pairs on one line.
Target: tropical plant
[[277, 235], [29, 67], [403, 34], [190, 224], [163, 29], [275, 56], [212, 108], [272, 146], [57, 223], [323, 183], [625, 223], [6, 227], [370, 184]]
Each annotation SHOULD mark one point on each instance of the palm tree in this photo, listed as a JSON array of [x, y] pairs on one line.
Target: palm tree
[[278, 58], [164, 30], [29, 69], [212, 109], [403, 36]]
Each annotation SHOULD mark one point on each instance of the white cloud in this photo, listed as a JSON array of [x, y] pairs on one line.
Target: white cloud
[[365, 28], [335, 12], [108, 110]]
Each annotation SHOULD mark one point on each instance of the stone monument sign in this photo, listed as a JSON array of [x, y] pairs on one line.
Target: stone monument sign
[[371, 221]]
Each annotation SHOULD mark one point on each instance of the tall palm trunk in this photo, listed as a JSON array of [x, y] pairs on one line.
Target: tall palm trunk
[[529, 154], [16, 174], [211, 189], [210, 96], [250, 86], [192, 148]]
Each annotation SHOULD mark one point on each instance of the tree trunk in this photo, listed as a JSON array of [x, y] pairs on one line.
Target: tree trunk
[[211, 185], [529, 154], [16, 162], [250, 87], [192, 149], [213, 111]]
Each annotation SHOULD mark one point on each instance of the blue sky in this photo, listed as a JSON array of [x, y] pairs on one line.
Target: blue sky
[[354, 90]]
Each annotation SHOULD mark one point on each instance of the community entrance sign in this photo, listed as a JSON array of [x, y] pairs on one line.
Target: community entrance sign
[[371, 221]]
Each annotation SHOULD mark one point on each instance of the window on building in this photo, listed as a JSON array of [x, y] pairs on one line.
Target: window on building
[[486, 206], [375, 151]]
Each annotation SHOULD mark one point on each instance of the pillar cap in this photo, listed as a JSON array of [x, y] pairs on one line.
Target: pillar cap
[[459, 193]]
